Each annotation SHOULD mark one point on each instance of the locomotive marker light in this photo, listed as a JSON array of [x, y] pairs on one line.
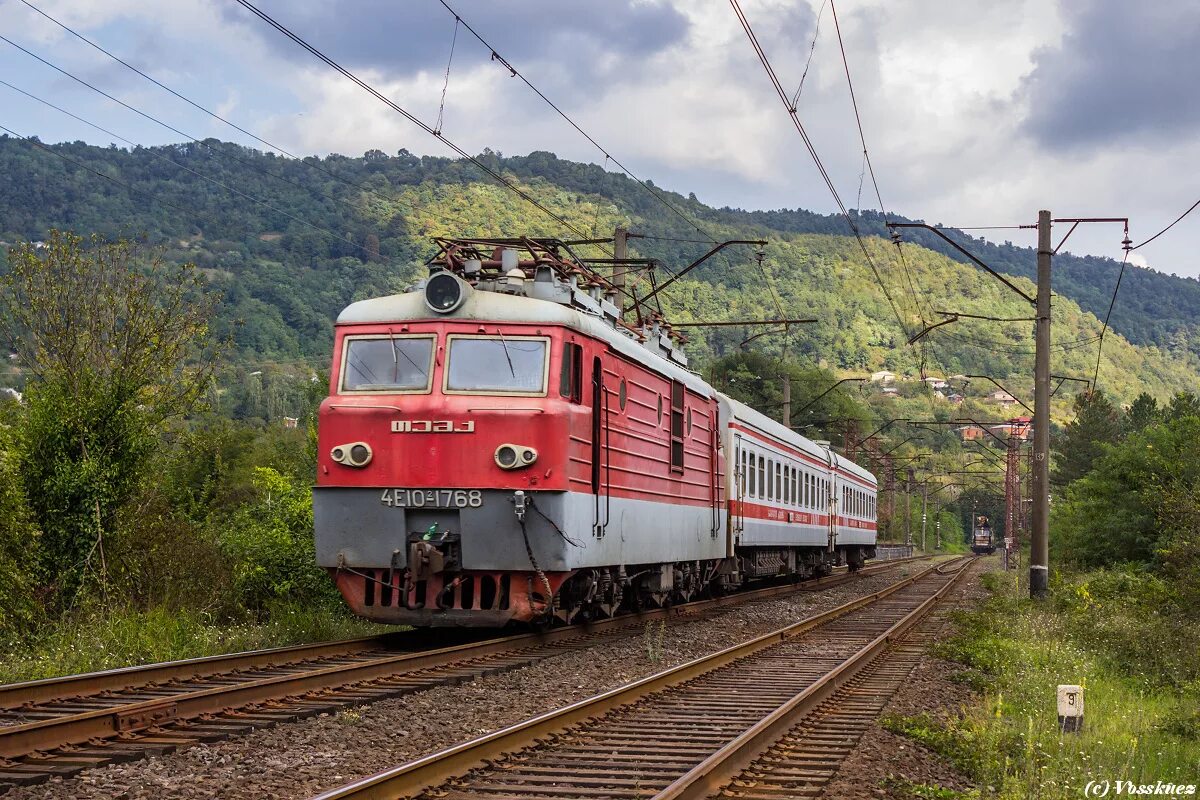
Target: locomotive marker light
[[514, 456], [355, 454], [1070, 708], [445, 292]]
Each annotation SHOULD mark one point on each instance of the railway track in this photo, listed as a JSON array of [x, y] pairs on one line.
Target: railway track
[[770, 717], [61, 726]]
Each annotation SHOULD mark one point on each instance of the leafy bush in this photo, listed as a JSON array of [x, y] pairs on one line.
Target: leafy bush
[[270, 540], [19, 542]]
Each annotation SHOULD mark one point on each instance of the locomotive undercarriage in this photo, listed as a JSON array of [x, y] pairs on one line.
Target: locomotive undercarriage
[[434, 592]]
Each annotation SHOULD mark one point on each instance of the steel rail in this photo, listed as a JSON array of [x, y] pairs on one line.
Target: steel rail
[[113, 721], [708, 777], [14, 696], [436, 768]]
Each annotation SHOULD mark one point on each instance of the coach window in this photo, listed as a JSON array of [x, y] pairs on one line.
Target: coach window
[[387, 364], [778, 481], [571, 380], [762, 476], [514, 365], [771, 482]]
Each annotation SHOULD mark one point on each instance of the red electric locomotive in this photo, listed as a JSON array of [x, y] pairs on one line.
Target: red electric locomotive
[[498, 446]]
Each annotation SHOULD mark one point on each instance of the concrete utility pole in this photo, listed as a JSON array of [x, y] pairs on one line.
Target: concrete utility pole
[[908, 487], [620, 252], [786, 416], [937, 520], [1039, 539], [924, 512]]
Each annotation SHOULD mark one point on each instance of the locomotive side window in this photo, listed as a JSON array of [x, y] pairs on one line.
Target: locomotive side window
[[571, 381], [496, 365], [391, 364], [676, 426]]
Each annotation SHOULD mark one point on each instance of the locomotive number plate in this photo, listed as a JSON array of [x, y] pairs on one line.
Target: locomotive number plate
[[432, 498]]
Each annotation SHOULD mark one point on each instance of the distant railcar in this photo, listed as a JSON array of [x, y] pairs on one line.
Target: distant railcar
[[981, 536], [498, 446]]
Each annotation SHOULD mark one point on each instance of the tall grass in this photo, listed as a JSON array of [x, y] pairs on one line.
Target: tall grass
[[1140, 727], [95, 640]]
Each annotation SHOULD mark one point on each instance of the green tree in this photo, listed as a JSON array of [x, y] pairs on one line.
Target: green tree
[[1097, 422], [114, 344], [1142, 413], [1183, 404], [1115, 513]]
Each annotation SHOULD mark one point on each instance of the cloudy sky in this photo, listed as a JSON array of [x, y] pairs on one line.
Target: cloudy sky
[[975, 112]]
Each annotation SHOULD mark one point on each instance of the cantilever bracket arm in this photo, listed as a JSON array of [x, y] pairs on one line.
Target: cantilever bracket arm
[[1003, 389], [812, 402], [716, 249], [1064, 378], [968, 254], [922, 334]]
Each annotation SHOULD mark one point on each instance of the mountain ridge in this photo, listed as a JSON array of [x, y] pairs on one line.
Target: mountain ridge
[[311, 244]]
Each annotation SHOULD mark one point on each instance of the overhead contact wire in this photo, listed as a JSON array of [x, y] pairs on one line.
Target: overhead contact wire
[[271, 145], [186, 168], [334, 65], [766, 63]]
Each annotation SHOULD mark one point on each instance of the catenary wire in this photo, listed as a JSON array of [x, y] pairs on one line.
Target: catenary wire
[[271, 145], [325, 59], [870, 168], [1112, 303], [762, 56], [1172, 225], [811, 50], [352, 77], [186, 168], [152, 118], [495, 55]]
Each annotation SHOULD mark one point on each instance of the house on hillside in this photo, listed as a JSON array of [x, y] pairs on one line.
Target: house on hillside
[[889, 391], [971, 433], [936, 383], [883, 376], [956, 398], [1020, 428], [1002, 398]]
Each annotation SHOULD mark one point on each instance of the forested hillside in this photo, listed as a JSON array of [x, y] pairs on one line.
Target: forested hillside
[[290, 243]]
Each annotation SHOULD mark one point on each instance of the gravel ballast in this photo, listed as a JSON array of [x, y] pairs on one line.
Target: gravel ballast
[[303, 758], [883, 761]]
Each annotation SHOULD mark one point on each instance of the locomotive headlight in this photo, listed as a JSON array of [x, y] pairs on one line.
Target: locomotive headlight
[[514, 456], [444, 292], [355, 454]]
